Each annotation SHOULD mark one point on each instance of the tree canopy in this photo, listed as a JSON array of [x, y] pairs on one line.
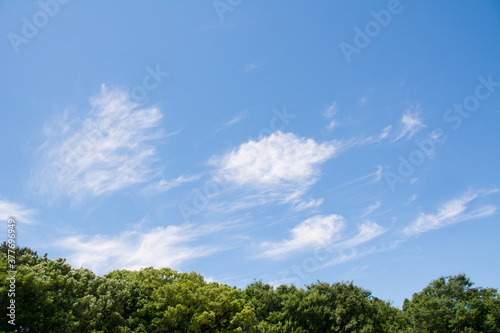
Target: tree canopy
[[53, 297]]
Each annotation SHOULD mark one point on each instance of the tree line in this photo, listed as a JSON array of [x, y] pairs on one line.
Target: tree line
[[50, 296]]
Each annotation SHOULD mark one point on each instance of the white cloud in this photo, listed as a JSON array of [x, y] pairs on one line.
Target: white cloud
[[366, 232], [160, 247], [353, 254], [311, 233], [385, 132], [308, 204], [451, 212], [331, 125], [370, 209], [375, 176], [362, 101], [107, 151], [251, 67], [377, 138], [411, 123], [277, 159], [280, 167], [209, 279], [16, 211], [331, 111], [241, 116], [165, 185], [324, 232]]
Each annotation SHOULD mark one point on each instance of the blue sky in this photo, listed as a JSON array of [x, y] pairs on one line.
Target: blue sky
[[284, 141]]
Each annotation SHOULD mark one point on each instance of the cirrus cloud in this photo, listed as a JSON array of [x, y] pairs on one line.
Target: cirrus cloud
[[411, 122], [18, 212], [110, 149], [451, 212]]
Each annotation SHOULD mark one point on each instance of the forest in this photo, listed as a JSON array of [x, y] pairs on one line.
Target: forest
[[51, 296]]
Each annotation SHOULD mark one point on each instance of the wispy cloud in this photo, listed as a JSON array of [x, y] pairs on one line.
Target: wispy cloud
[[251, 67], [18, 212], [165, 185], [322, 232], [169, 246], [349, 249], [111, 148], [370, 178], [451, 212], [410, 123], [331, 111], [241, 116], [312, 203], [376, 139], [331, 125], [370, 209], [362, 101], [385, 132], [309, 234], [346, 256], [366, 232]]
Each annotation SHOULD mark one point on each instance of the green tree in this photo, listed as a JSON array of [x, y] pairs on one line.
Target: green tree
[[339, 307], [451, 304], [169, 301], [265, 301], [53, 297], [39, 305], [391, 319], [323, 307]]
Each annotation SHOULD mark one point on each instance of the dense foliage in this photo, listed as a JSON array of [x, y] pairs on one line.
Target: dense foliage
[[52, 297]]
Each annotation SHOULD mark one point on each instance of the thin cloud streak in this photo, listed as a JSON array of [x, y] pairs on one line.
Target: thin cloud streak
[[376, 176], [241, 116], [331, 111], [251, 67], [165, 185], [451, 212], [370, 209], [18, 212]]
